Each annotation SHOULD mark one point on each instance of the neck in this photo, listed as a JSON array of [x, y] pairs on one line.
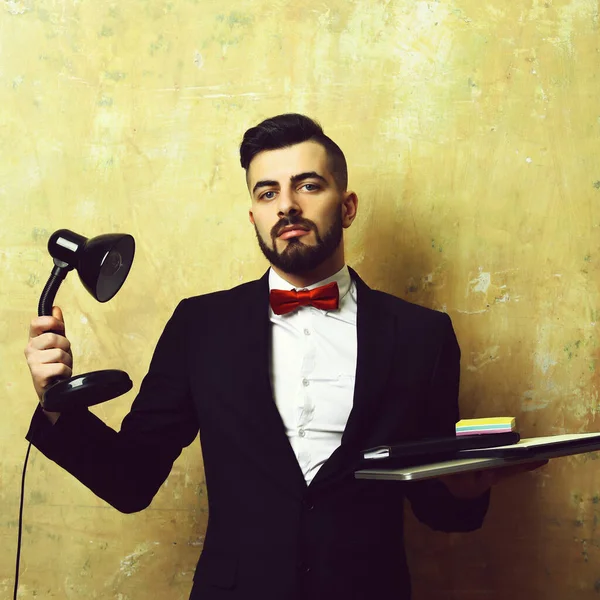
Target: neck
[[326, 269]]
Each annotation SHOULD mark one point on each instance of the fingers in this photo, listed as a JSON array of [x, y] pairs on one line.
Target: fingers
[[512, 470], [54, 355], [45, 374], [47, 341], [48, 351], [41, 325], [494, 476], [468, 485], [475, 483]]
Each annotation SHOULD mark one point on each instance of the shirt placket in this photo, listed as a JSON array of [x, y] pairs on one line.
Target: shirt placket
[[305, 406]]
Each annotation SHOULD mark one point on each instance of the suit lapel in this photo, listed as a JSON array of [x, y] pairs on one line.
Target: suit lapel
[[375, 336], [267, 441]]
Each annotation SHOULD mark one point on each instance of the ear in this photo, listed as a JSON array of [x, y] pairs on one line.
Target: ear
[[349, 207], [251, 217]]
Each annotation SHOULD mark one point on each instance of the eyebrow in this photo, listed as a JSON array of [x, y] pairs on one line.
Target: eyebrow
[[293, 179], [307, 175]]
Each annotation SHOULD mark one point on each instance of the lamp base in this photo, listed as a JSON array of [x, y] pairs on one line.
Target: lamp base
[[86, 390]]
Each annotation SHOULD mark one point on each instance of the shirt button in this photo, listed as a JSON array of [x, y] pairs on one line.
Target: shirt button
[[301, 432], [304, 568], [307, 332], [305, 382]]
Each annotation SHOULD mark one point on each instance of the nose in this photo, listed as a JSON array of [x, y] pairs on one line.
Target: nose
[[288, 205]]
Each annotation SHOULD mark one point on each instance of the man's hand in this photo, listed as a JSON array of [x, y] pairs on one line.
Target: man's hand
[[48, 353], [475, 483]]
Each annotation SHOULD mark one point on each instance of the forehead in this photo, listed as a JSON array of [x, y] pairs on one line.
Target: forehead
[[283, 163]]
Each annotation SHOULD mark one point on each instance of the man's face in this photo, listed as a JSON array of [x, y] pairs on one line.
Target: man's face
[[298, 211]]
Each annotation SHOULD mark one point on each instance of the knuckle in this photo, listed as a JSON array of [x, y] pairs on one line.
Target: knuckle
[[65, 372]]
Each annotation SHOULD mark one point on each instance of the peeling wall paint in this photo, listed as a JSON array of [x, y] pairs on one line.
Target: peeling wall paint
[[471, 131]]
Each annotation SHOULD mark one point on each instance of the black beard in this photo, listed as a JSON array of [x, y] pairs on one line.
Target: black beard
[[298, 258]]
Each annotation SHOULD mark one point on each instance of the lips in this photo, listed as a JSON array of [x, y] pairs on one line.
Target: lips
[[293, 231]]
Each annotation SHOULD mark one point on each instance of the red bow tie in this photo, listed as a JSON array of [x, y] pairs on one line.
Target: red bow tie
[[326, 297]]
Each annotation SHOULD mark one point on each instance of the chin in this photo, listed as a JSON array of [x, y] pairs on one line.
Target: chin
[[299, 241]]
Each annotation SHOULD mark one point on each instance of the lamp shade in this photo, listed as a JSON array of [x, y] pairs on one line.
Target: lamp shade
[[102, 262]]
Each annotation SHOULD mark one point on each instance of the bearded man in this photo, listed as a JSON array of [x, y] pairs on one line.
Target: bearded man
[[287, 378]]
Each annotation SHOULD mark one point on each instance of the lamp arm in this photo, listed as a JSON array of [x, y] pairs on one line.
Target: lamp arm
[[59, 272]]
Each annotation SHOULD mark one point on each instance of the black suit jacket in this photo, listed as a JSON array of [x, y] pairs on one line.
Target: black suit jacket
[[270, 536]]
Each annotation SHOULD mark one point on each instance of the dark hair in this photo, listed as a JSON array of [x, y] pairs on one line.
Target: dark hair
[[287, 130]]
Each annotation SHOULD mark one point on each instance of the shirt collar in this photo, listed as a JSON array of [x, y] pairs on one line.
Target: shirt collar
[[342, 278]]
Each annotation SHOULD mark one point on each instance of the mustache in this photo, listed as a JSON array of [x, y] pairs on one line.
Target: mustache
[[293, 220]]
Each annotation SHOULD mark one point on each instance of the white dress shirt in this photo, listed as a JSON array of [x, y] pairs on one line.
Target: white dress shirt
[[312, 370]]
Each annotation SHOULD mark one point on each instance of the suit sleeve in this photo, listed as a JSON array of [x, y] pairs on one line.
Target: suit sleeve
[[127, 468], [431, 501]]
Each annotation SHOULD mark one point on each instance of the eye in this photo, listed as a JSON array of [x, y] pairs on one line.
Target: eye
[[270, 195], [310, 187]]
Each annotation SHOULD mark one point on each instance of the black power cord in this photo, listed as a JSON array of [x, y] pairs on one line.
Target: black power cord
[[44, 309], [20, 527]]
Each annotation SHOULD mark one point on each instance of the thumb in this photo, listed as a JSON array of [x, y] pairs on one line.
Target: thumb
[[57, 314]]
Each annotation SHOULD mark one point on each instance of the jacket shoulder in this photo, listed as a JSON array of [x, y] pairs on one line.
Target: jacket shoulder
[[419, 325], [402, 307], [223, 299]]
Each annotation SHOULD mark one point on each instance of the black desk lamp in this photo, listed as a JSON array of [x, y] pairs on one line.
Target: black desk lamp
[[103, 263]]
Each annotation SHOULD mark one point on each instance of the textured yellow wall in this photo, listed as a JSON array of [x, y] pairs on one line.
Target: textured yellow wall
[[471, 128]]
